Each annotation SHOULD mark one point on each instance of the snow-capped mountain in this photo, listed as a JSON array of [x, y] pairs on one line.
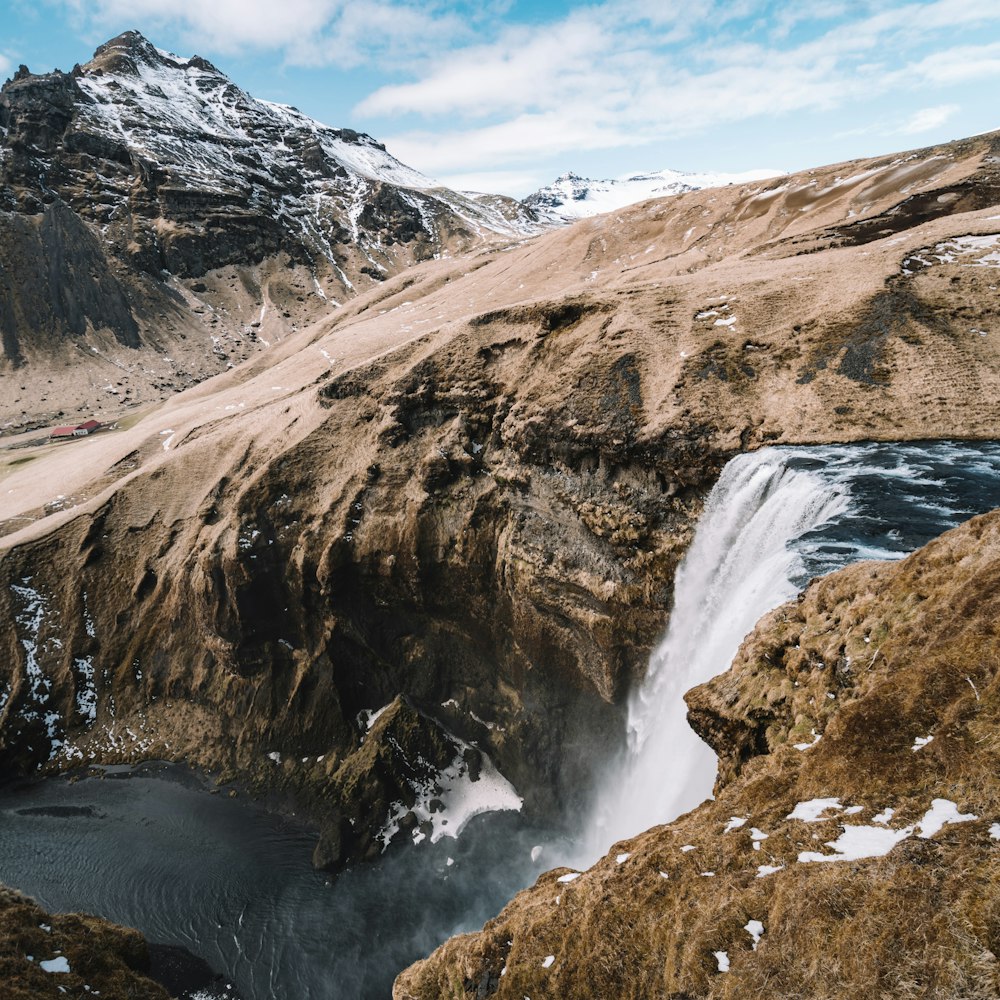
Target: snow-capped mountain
[[145, 197], [573, 197], [142, 135]]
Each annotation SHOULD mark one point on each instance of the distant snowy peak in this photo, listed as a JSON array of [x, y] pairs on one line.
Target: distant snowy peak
[[573, 197]]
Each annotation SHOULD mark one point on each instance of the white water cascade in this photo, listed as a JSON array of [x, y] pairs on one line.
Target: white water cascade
[[739, 567]]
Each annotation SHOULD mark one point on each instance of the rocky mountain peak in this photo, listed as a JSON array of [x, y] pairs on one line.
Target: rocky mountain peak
[[164, 169]]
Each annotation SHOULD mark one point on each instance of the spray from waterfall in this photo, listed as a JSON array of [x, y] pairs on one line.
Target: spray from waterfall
[[739, 566]]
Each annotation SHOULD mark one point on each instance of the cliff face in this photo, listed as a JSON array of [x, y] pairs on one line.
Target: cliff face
[[470, 487], [863, 863], [159, 224]]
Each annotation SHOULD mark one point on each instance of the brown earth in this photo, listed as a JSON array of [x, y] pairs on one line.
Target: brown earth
[[471, 486], [897, 668]]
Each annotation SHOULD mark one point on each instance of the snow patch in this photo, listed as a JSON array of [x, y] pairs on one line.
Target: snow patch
[[459, 796], [812, 810]]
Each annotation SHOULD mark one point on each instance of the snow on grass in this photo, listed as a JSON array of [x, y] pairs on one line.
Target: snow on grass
[[688, 847], [857, 842], [756, 931], [569, 877], [995, 831], [725, 322], [547, 961], [884, 816], [622, 858], [921, 741], [60, 964], [812, 810], [942, 811], [722, 958], [757, 836], [764, 870], [805, 746], [735, 822]]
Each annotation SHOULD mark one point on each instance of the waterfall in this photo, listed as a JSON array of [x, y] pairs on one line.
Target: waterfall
[[739, 566]]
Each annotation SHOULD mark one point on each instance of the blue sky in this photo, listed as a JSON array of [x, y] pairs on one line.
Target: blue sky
[[504, 95]]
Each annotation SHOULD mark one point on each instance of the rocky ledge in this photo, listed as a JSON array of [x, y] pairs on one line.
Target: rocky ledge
[[852, 846]]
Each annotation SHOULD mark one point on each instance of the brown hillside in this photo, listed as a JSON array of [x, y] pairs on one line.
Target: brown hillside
[[471, 486]]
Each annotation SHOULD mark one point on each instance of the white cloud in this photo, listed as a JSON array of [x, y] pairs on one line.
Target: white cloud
[[306, 32], [5, 66], [960, 65], [637, 72], [927, 119]]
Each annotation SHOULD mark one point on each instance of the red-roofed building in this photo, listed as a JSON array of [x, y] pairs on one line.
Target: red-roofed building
[[81, 430]]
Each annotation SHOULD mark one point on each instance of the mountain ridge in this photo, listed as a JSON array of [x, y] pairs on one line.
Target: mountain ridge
[[157, 221]]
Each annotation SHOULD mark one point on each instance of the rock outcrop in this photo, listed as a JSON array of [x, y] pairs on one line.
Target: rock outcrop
[[158, 224], [862, 863]]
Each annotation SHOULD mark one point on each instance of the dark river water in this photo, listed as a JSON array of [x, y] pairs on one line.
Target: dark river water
[[234, 885]]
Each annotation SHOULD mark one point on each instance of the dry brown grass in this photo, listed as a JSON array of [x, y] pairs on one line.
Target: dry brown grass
[[103, 957]]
